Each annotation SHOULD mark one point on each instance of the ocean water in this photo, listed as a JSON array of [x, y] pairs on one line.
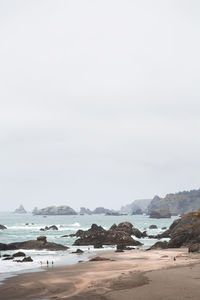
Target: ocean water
[[17, 231]]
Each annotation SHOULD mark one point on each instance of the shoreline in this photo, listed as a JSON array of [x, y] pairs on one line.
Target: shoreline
[[101, 280]]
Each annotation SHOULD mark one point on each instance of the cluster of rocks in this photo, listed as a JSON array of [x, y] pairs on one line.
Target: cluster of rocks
[[16, 255], [39, 244], [52, 227], [116, 235]]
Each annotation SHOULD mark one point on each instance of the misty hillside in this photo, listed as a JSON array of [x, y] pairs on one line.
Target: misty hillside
[[140, 204], [178, 203]]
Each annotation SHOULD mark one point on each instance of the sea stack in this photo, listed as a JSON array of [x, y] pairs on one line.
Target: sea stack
[[20, 210]]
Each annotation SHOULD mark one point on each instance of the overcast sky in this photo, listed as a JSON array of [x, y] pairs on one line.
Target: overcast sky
[[99, 101]]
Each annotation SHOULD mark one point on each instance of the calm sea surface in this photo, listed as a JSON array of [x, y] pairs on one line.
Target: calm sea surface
[[19, 231]]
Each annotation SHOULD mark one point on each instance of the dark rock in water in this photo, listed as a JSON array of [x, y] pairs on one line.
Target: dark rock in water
[[160, 213], [19, 254], [99, 258], [97, 235], [35, 244], [153, 227], [8, 258], [194, 248], [27, 224], [27, 259], [163, 228], [2, 227], [6, 255], [42, 238], [20, 210], [159, 245], [52, 227], [78, 251]]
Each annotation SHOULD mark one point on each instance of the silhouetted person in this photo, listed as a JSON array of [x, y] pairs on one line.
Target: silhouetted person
[[174, 258], [47, 263], [52, 263]]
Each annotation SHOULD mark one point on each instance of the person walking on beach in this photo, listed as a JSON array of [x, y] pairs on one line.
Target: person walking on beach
[[47, 263], [52, 263]]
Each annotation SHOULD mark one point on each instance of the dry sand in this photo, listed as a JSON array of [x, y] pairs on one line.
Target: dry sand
[[136, 274]]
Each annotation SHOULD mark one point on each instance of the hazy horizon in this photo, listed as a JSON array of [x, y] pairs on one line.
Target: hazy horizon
[[99, 101]]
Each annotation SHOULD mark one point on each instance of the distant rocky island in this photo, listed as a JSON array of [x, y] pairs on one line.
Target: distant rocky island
[[55, 210], [20, 210]]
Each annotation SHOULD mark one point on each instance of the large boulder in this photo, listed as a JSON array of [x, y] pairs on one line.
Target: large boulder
[[2, 227], [19, 254], [160, 213]]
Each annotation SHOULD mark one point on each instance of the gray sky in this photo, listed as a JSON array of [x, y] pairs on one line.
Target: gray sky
[[99, 101]]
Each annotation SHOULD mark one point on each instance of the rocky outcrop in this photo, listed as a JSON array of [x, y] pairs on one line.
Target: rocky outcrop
[[97, 235], [186, 232], [20, 210], [52, 227], [2, 227], [160, 213], [55, 210], [38, 244]]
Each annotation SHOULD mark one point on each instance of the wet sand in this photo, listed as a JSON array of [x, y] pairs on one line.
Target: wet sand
[[135, 274]]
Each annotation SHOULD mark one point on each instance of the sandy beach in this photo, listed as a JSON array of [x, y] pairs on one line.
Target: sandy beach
[[135, 274]]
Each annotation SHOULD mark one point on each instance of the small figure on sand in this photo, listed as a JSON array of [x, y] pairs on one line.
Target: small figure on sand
[[174, 258], [41, 264], [52, 263], [47, 263]]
